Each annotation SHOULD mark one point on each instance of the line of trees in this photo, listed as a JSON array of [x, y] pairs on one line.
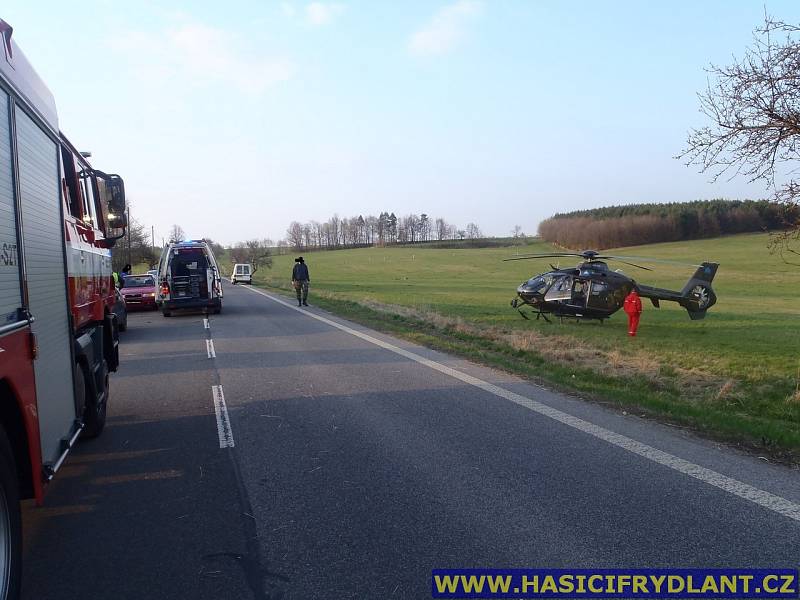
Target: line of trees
[[636, 224], [176, 234], [137, 247], [386, 228], [255, 252]]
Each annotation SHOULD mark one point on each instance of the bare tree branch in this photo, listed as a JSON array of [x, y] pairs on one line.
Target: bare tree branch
[[753, 105]]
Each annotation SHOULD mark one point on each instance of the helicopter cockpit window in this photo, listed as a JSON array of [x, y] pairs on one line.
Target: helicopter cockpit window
[[539, 283], [560, 290]]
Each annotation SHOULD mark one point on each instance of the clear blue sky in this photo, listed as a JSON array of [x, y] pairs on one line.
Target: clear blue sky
[[234, 118]]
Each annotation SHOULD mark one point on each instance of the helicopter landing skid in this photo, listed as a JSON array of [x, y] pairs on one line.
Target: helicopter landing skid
[[578, 318], [515, 303]]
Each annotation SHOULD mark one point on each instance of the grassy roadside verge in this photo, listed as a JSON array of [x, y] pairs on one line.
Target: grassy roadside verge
[[662, 397]]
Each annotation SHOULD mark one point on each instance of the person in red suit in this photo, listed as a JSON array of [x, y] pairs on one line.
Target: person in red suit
[[633, 308]]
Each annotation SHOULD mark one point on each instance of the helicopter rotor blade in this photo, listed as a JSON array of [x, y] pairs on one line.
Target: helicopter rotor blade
[[624, 262], [654, 260], [550, 254], [590, 257], [532, 256]]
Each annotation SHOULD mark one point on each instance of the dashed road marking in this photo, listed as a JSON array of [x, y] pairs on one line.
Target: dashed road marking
[[733, 486], [223, 422], [210, 349]]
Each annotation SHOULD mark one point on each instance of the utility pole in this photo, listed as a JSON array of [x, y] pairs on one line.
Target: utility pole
[[128, 209]]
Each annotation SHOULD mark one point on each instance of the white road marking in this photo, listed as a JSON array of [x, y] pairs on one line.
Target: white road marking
[[733, 486], [223, 422], [210, 349], [206, 324]]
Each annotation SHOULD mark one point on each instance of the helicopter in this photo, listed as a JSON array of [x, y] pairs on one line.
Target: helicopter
[[592, 290]]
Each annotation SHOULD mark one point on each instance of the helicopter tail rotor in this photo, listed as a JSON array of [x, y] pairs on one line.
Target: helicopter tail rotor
[[697, 295]]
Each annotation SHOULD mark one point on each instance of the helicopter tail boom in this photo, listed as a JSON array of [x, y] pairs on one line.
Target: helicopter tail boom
[[697, 296]]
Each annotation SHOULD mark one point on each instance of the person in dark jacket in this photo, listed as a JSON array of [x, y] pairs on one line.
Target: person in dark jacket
[[120, 277], [300, 281]]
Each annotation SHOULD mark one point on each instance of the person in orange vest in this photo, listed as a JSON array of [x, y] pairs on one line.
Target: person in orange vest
[[633, 308]]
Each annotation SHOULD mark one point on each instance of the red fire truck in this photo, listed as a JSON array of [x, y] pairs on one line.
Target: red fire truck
[[59, 219]]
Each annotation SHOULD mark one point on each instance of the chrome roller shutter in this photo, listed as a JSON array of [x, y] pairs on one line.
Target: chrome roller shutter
[[43, 240]]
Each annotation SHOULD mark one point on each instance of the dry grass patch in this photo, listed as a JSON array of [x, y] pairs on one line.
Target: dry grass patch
[[568, 351], [726, 391]]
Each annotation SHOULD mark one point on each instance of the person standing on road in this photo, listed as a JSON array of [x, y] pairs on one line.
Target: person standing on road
[[633, 307], [300, 281], [126, 270]]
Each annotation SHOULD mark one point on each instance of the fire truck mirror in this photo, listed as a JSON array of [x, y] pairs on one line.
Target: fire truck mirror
[[113, 194], [116, 197]]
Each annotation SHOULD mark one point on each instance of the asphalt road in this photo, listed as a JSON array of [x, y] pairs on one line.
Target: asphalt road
[[351, 464]]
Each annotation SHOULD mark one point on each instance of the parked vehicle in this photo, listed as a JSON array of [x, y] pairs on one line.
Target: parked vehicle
[[120, 311], [242, 273], [58, 334], [154, 273], [189, 278], [139, 292]]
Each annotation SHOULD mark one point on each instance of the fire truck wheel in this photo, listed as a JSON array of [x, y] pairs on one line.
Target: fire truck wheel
[[10, 524], [94, 415]]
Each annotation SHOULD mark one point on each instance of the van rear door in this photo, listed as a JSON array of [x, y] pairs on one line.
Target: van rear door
[[189, 267]]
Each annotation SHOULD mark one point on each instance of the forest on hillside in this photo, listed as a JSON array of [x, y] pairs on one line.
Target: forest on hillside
[[385, 229], [637, 224]]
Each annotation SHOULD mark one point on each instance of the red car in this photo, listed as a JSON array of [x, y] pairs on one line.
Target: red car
[[139, 292]]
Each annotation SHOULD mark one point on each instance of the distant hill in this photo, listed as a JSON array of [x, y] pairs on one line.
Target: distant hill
[[637, 224]]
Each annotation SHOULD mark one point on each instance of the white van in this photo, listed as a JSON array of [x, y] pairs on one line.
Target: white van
[[242, 273], [189, 278]]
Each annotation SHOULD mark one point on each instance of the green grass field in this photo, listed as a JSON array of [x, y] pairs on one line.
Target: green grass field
[[734, 375]]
